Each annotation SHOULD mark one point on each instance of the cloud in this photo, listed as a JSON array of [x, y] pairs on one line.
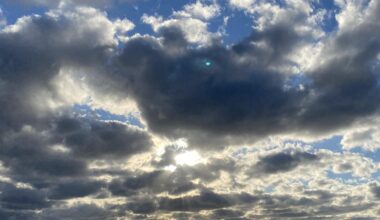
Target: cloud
[[238, 100], [74, 189], [206, 200], [180, 94], [375, 189], [19, 199], [192, 21], [33, 51], [77, 211], [46, 147], [241, 110], [242, 4], [93, 139], [29, 158], [199, 10], [282, 162]]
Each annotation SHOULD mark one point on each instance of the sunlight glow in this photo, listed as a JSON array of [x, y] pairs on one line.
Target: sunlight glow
[[189, 158], [170, 168]]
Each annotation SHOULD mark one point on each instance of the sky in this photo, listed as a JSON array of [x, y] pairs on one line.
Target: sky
[[201, 109]]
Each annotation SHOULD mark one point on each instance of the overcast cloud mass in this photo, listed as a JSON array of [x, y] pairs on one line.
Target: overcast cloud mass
[[202, 109]]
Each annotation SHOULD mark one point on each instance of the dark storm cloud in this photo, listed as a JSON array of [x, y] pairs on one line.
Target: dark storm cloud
[[74, 189], [94, 139], [242, 91], [282, 162], [29, 158], [230, 96], [14, 198]]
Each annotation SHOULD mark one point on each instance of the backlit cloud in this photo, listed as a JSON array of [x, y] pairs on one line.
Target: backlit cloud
[[144, 112]]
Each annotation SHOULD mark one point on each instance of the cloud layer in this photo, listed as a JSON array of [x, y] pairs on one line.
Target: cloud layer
[[101, 121]]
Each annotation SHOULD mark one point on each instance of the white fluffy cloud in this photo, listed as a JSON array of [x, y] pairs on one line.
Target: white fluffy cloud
[[243, 4], [192, 20], [199, 10]]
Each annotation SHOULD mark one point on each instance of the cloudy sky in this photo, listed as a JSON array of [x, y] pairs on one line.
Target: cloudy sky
[[199, 109]]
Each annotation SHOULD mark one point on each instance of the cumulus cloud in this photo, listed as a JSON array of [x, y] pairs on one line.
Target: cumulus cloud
[[363, 136], [101, 139], [283, 162], [217, 130], [46, 147], [192, 21], [224, 91], [199, 10]]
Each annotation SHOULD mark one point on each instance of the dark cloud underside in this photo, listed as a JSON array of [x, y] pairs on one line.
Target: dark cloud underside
[[217, 100]]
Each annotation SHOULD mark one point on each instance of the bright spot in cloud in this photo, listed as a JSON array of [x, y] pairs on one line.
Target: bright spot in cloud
[[170, 168], [189, 158], [181, 143]]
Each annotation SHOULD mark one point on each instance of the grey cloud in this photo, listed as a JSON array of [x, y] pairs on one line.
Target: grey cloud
[[282, 162], [228, 214], [32, 53], [243, 93], [153, 182], [265, 206], [168, 157], [320, 194], [205, 201], [22, 198], [353, 90], [94, 139], [29, 158], [227, 97], [289, 207], [142, 207], [74, 189], [375, 189], [90, 211]]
